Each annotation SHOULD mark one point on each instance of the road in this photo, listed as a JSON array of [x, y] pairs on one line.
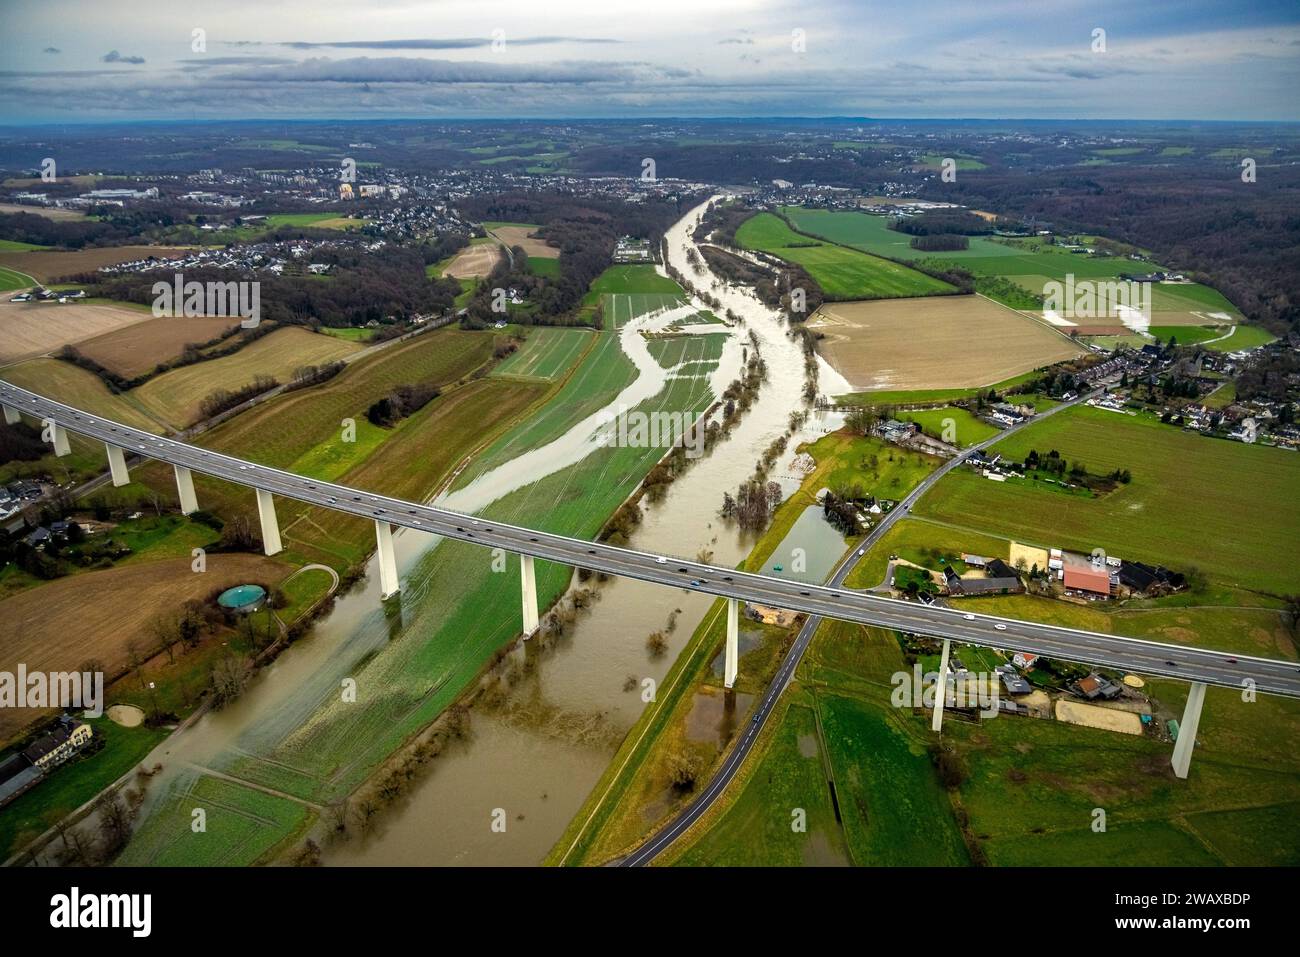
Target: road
[[827, 601], [735, 759]]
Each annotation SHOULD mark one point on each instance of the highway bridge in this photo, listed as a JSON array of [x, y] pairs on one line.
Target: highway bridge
[[1197, 665]]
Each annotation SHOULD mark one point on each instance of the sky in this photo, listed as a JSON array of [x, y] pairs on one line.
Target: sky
[[129, 60]]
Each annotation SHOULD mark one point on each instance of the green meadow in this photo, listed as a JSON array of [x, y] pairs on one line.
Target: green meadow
[[842, 273], [1181, 498]]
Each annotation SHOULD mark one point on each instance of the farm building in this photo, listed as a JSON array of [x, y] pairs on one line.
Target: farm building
[[1086, 578]]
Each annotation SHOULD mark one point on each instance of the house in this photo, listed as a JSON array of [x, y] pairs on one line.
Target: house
[[55, 747], [1095, 686], [1024, 660], [1014, 683], [997, 568], [1147, 579], [975, 561]]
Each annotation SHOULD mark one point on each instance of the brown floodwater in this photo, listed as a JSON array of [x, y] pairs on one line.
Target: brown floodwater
[[532, 757]]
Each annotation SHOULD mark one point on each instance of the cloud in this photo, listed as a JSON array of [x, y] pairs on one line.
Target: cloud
[[51, 50], [112, 56], [410, 70], [738, 40], [444, 43]]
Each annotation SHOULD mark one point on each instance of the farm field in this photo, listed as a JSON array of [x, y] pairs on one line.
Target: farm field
[[242, 824], [49, 212], [139, 347], [548, 353], [627, 291], [48, 630], [1187, 335], [34, 328], [176, 395], [302, 429], [445, 639], [520, 234], [842, 273], [77, 386], [1150, 519], [942, 342], [51, 265], [474, 261], [870, 234], [1028, 263]]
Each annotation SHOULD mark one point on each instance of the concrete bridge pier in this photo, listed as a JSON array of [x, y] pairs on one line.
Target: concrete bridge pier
[[270, 528], [941, 687], [117, 465], [389, 585], [528, 587], [185, 490], [1187, 729], [731, 664], [59, 438], [11, 416]]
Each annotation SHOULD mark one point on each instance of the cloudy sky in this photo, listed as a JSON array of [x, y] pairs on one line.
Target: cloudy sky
[[143, 59]]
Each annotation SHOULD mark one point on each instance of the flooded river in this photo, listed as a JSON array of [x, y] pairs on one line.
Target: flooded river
[[536, 755]]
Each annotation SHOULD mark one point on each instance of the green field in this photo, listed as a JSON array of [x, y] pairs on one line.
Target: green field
[[1033, 786], [1186, 335], [547, 353], [14, 246], [841, 272], [1243, 337], [757, 829], [13, 279], [350, 333], [1030, 263], [548, 266], [241, 824], [895, 812], [1187, 491], [951, 424]]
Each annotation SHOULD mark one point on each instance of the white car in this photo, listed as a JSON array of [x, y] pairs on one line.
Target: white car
[[661, 561], [969, 617], [862, 551], [1000, 627]]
